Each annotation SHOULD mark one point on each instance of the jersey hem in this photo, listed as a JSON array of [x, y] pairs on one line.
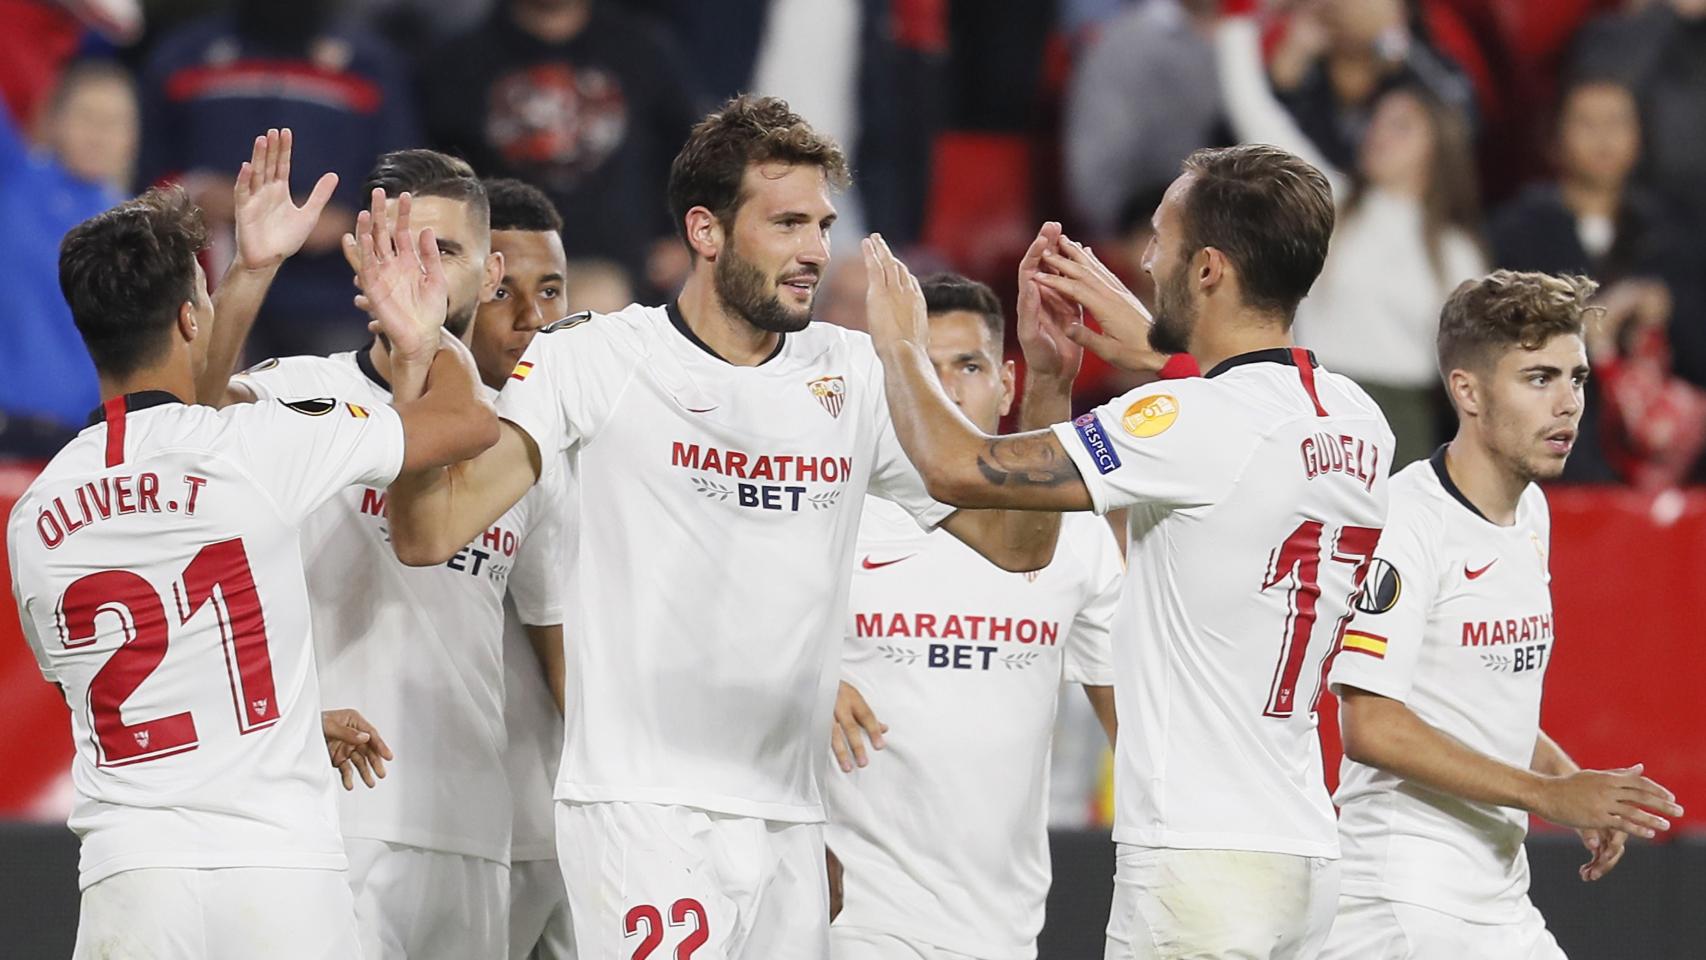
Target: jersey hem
[[224, 859], [1513, 911], [533, 852], [664, 796], [424, 840], [1251, 843]]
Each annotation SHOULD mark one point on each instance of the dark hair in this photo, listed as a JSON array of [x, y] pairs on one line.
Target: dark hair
[[1269, 212], [945, 292], [428, 173], [521, 206], [126, 273], [1509, 309], [1452, 198], [710, 169]]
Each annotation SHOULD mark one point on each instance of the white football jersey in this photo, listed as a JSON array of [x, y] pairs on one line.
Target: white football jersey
[[534, 726], [418, 650], [706, 599], [157, 574], [1257, 494], [944, 835], [1456, 623]]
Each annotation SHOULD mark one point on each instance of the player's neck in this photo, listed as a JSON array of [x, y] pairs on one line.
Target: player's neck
[[551, 22], [1247, 332], [179, 383], [731, 336], [1490, 486], [381, 358]]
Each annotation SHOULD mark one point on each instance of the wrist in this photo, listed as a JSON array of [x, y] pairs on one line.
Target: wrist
[[1533, 789], [260, 271]]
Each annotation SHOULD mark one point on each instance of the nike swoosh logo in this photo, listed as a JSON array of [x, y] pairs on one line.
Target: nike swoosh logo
[[870, 564], [1472, 574]]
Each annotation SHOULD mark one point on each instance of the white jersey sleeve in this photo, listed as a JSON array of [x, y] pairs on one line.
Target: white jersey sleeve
[[43, 662], [1089, 645], [301, 452], [1383, 642], [536, 583], [288, 378], [893, 475], [569, 380], [1169, 443]]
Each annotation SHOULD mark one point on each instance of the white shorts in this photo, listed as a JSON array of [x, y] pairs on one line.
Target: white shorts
[[257, 913], [1369, 929], [647, 880], [415, 904], [1219, 905], [539, 926], [863, 943]]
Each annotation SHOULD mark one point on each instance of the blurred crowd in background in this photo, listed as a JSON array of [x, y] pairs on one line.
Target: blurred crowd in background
[[1459, 135]]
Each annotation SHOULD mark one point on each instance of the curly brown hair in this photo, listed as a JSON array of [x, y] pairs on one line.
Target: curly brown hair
[[709, 170], [126, 273], [1507, 308]]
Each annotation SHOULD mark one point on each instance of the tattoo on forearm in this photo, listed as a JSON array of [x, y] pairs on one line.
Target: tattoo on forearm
[[1026, 460]]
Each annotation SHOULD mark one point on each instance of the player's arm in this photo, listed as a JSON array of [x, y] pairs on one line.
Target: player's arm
[[270, 229], [1605, 844], [1102, 701], [435, 512], [547, 643], [1385, 733], [961, 465]]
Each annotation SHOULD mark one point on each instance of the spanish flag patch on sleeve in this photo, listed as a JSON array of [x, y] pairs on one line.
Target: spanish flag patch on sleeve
[[522, 370], [357, 411], [1366, 643]]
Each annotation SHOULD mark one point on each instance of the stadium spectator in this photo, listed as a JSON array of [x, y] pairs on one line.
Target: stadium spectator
[[340, 87], [1336, 58], [601, 286], [1643, 424], [1405, 238], [82, 166], [1142, 98], [582, 100], [1658, 49]]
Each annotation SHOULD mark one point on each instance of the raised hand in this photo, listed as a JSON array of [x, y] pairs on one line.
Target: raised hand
[[1619, 800], [894, 303], [403, 287], [1045, 316], [1075, 273], [270, 226]]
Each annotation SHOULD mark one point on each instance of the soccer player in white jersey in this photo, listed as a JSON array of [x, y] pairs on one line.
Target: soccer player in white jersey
[[1256, 496], [1440, 674], [723, 445], [943, 836], [527, 230], [421, 649], [157, 575]]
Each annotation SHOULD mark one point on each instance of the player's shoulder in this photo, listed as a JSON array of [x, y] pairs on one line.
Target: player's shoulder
[[821, 341], [633, 328], [296, 376]]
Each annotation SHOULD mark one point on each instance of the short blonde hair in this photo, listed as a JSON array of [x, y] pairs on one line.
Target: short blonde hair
[[1507, 308]]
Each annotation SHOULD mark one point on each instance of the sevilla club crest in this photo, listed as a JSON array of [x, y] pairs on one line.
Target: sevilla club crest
[[831, 392]]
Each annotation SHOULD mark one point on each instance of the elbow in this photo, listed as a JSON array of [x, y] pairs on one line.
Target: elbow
[[955, 487], [482, 431], [413, 552]]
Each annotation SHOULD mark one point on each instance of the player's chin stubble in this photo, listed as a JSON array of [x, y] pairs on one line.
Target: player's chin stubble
[[748, 293], [1174, 317]]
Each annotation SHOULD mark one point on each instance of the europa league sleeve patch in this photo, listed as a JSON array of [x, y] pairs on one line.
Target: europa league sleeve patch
[[312, 408], [1381, 588]]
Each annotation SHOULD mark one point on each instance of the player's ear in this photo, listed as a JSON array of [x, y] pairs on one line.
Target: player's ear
[[1210, 267], [1465, 390], [493, 276], [187, 327], [704, 232], [1007, 377]]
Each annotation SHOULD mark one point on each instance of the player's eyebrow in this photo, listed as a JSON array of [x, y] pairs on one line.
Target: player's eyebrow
[[551, 278], [1547, 369], [449, 247]]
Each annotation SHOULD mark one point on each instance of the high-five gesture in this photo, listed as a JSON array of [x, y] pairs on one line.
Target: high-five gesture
[[270, 226], [1046, 316], [402, 281], [1075, 273], [894, 303]]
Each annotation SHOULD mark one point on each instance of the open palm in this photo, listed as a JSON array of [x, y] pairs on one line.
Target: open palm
[[1045, 315], [270, 226], [403, 287]]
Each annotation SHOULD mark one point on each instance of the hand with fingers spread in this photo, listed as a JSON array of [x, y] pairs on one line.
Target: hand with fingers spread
[[1046, 317], [402, 281], [355, 746], [1619, 800], [270, 226], [1074, 272], [894, 303], [853, 714]]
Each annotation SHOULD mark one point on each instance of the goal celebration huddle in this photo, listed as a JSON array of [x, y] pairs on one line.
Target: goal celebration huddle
[[702, 629]]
